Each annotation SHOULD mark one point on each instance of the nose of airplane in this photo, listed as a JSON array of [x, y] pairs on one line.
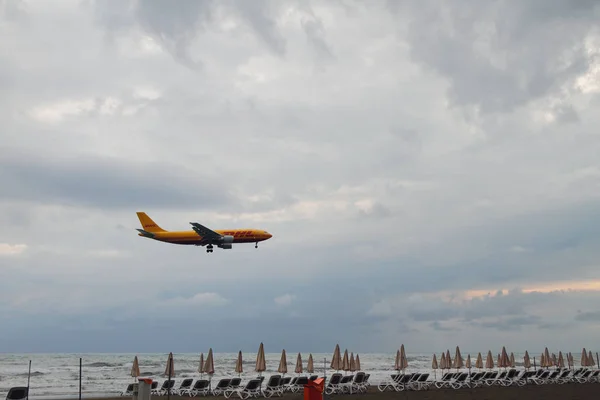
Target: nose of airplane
[[268, 235]]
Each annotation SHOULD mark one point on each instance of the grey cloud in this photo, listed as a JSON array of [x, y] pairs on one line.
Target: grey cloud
[[481, 47], [509, 324], [438, 326], [107, 183], [258, 15], [589, 316]]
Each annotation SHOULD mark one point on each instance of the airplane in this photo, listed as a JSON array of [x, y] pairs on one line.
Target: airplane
[[200, 235]]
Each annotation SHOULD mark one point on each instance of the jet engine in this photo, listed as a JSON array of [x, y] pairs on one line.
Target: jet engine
[[227, 239], [225, 245]]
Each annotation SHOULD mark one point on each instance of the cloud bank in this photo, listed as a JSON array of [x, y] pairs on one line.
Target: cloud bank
[[429, 174]]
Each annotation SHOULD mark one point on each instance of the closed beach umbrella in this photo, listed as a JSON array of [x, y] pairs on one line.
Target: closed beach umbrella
[[498, 361], [504, 359], [336, 359], [170, 368], [543, 362], [590, 359], [403, 360], [512, 360], [397, 361], [458, 360], [526, 361], [434, 365], [561, 360], [547, 358], [570, 360], [209, 365], [352, 363], [357, 363], [261, 364], [282, 363], [584, 361], [479, 362], [554, 360], [239, 368], [201, 364], [448, 359], [489, 360], [310, 367], [468, 362], [443, 362], [346, 361], [298, 369], [135, 368]]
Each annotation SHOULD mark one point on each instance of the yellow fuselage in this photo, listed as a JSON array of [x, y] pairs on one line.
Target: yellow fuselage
[[191, 237]]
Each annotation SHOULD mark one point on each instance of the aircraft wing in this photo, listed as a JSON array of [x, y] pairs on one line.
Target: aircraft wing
[[205, 232]]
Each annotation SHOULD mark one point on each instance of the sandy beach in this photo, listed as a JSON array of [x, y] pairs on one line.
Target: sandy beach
[[571, 391]]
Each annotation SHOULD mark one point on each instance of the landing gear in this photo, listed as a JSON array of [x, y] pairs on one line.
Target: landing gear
[[256, 245], [209, 248]]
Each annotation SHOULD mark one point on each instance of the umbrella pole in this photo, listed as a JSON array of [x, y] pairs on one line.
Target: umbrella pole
[[169, 384], [80, 365], [28, 376]]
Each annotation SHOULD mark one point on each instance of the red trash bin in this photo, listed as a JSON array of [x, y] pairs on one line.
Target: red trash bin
[[313, 390]]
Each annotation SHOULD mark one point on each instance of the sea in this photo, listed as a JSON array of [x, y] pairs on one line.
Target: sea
[[56, 376]]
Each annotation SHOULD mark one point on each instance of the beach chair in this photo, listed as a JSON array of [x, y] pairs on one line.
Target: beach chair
[[18, 393], [221, 386], [583, 377], [358, 384], [444, 380], [313, 377], [346, 383], [185, 387], [510, 378], [273, 386], [298, 384], [128, 391], [540, 377], [523, 379], [200, 388], [235, 383], [154, 388], [333, 386], [563, 377], [402, 381], [166, 387], [252, 389], [420, 383], [367, 383], [387, 384], [460, 381]]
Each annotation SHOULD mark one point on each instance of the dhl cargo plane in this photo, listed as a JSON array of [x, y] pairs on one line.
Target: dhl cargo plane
[[200, 235]]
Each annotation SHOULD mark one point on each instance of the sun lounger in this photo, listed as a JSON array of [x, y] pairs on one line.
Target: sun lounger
[[333, 386], [167, 386], [222, 385], [400, 382], [200, 388], [460, 381], [128, 391], [185, 386], [358, 384], [421, 382], [17, 393], [252, 389], [273, 386], [445, 380], [298, 384]]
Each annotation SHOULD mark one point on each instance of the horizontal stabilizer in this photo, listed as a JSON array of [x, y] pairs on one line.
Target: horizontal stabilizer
[[145, 233]]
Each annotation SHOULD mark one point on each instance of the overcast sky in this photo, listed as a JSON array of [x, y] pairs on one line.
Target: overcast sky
[[429, 172]]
